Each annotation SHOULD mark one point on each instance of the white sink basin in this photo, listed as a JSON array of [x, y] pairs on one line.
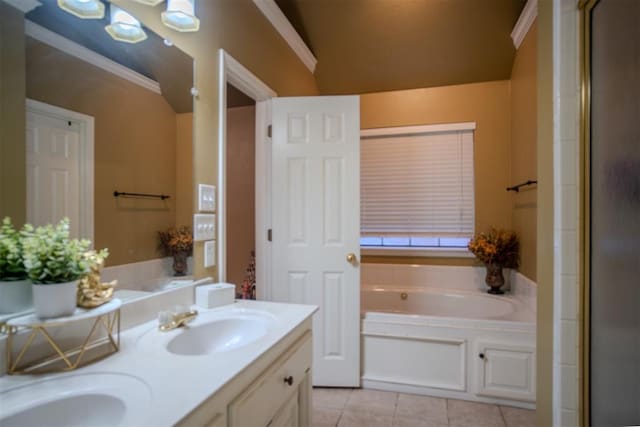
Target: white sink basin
[[211, 332], [219, 335], [100, 399]]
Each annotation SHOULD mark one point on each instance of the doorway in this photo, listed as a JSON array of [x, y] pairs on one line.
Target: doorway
[[235, 74], [240, 188]]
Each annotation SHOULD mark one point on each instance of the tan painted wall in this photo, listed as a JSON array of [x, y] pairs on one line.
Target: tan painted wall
[[135, 148], [13, 182], [545, 231], [523, 150], [240, 191], [184, 169], [241, 29], [488, 105]]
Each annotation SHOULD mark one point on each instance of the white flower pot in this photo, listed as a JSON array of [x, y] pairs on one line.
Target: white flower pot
[[55, 300], [15, 296]]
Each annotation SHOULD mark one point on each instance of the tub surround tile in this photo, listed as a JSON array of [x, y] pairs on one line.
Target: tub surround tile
[[516, 417], [373, 401], [569, 297], [333, 398], [325, 417], [360, 418]]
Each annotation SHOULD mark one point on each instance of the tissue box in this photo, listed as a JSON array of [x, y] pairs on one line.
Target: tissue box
[[210, 296]]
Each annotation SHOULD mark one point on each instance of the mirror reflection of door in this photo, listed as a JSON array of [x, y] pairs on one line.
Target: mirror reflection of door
[[58, 164]]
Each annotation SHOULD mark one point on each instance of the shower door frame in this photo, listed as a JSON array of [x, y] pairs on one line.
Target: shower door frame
[[586, 6]]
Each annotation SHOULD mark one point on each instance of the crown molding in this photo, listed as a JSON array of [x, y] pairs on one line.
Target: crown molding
[[272, 12], [25, 6], [72, 48], [528, 15]]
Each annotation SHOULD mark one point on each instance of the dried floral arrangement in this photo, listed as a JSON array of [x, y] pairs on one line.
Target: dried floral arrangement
[[496, 247], [176, 240]]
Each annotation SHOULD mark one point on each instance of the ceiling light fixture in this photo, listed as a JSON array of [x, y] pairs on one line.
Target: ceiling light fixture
[[84, 9], [124, 27], [180, 16]]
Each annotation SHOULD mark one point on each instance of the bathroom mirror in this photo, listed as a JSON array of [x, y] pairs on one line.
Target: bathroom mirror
[[106, 116]]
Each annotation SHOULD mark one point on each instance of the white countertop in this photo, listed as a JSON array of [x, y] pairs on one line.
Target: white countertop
[[179, 383]]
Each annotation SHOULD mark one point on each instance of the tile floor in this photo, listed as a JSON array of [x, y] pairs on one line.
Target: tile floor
[[372, 408]]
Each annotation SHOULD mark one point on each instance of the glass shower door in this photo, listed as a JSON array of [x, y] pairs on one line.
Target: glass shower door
[[614, 208]]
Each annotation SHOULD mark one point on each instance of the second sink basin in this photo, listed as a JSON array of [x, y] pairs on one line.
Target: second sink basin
[[80, 400], [218, 336]]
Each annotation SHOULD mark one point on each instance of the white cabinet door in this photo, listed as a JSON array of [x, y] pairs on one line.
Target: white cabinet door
[[316, 225], [287, 416], [506, 371]]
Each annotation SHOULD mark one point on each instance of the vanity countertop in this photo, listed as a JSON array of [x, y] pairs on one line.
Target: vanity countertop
[[178, 384]]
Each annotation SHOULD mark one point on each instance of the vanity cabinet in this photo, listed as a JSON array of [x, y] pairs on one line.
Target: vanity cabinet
[[278, 396], [274, 397], [506, 371]]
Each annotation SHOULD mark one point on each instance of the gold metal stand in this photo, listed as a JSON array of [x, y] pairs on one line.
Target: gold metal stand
[[92, 349]]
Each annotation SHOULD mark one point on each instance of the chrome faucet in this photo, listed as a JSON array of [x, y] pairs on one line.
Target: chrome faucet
[[174, 320]]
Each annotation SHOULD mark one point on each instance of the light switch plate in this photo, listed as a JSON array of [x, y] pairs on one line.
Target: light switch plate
[[204, 227], [206, 198], [209, 253]]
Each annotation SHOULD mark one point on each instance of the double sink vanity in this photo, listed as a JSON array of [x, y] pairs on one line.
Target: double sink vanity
[[242, 364]]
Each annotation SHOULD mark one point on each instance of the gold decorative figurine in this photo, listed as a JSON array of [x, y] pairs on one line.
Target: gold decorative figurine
[[91, 291]]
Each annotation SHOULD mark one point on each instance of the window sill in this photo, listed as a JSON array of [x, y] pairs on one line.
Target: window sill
[[416, 252]]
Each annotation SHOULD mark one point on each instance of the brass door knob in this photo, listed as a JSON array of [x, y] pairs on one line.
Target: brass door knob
[[351, 258]]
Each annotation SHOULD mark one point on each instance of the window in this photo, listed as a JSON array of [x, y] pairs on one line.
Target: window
[[417, 186]]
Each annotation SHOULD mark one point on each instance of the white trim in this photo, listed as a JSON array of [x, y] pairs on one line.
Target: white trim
[[282, 25], [86, 124], [231, 71], [25, 6], [523, 25], [411, 130], [415, 252], [72, 48], [244, 80]]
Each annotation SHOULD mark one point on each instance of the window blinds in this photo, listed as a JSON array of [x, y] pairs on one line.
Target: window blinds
[[417, 184]]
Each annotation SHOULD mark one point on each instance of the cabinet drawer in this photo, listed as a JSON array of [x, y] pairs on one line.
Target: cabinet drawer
[[257, 405]]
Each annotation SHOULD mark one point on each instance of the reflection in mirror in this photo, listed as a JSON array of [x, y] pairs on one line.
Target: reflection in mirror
[[105, 116]]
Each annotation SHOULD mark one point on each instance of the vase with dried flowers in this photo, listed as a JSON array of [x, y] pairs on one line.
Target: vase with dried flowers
[[178, 243], [497, 249]]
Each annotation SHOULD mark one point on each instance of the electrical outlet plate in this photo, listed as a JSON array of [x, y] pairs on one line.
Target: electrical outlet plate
[[204, 227], [209, 253], [206, 198]]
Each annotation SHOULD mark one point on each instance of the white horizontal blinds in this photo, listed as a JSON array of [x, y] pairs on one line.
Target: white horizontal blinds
[[417, 185]]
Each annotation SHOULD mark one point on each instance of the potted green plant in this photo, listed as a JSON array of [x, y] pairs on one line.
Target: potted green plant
[[15, 287], [54, 262], [497, 249]]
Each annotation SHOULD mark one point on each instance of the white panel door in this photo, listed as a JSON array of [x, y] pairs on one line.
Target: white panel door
[[53, 171], [316, 225]]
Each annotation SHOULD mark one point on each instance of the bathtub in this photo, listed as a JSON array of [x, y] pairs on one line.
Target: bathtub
[[450, 341], [443, 303]]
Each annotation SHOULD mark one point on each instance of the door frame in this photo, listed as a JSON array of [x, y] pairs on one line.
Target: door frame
[[233, 72], [86, 166]]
